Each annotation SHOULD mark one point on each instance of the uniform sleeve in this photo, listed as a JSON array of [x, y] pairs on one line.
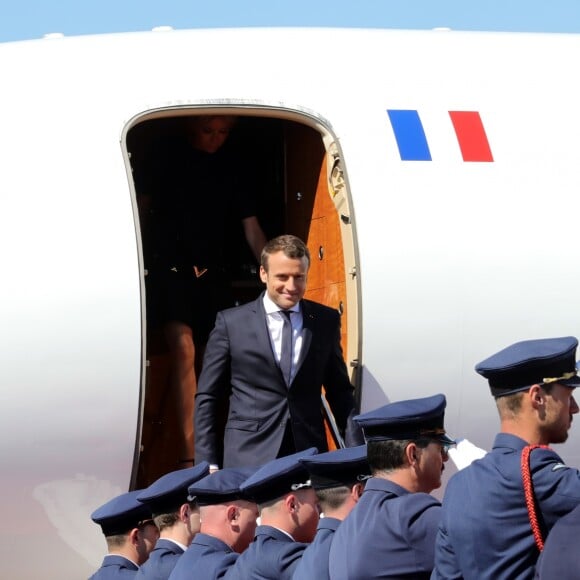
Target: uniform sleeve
[[213, 386], [422, 525], [446, 567], [556, 486]]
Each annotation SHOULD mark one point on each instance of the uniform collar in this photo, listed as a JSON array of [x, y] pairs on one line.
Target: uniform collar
[[381, 484]]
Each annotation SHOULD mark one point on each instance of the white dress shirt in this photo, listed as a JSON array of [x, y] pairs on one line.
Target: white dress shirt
[[275, 321]]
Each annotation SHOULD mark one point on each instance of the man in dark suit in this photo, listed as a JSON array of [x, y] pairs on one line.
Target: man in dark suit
[[270, 358]]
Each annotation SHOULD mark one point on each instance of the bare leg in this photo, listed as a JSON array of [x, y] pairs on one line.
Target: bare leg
[[183, 382]]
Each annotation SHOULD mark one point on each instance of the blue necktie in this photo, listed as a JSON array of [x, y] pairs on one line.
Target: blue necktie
[[286, 353]]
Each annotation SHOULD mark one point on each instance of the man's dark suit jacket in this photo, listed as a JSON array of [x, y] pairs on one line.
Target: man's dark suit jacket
[[240, 364]]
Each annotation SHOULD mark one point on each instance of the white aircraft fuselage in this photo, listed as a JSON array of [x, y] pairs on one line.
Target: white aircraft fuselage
[[460, 159]]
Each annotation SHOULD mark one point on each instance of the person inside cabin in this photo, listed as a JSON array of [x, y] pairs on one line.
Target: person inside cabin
[[130, 534], [192, 192], [270, 358], [177, 519], [498, 510]]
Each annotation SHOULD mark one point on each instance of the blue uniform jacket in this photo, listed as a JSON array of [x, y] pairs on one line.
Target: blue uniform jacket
[[390, 533], [161, 561], [485, 530], [114, 567], [561, 557], [272, 555], [314, 561], [207, 558]]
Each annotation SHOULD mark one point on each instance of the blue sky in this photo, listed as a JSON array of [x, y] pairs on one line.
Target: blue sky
[[24, 19]]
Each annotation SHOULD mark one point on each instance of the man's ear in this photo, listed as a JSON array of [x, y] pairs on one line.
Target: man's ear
[[291, 503], [134, 536], [536, 396], [263, 275], [412, 453], [184, 512], [232, 513], [356, 491]]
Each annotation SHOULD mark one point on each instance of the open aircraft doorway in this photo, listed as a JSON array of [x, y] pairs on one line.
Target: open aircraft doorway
[[294, 170]]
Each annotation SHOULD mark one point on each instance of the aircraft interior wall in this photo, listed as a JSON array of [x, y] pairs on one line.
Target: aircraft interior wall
[[285, 162]]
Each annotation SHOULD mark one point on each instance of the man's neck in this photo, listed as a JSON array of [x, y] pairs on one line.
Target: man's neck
[[402, 477], [529, 433]]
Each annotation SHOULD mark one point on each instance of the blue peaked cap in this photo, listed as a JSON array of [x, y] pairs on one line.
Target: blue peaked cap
[[121, 514], [338, 468], [279, 477], [530, 362], [221, 486], [169, 492], [411, 419]]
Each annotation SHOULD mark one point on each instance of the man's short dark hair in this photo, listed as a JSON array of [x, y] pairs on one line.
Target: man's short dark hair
[[164, 521], [389, 455], [292, 246], [512, 404]]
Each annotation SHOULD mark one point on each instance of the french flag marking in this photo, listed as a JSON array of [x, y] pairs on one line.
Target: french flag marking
[[471, 136], [409, 134]]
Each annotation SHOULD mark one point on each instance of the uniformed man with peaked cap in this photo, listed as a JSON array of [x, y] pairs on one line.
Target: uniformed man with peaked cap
[[228, 523], [289, 515], [338, 477], [176, 518], [487, 531], [130, 534], [391, 531]]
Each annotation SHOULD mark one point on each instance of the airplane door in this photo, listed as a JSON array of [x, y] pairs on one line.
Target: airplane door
[[312, 215]]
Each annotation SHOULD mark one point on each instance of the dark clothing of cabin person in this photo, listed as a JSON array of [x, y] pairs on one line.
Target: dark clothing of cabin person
[[274, 406], [486, 531], [197, 196], [196, 199]]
